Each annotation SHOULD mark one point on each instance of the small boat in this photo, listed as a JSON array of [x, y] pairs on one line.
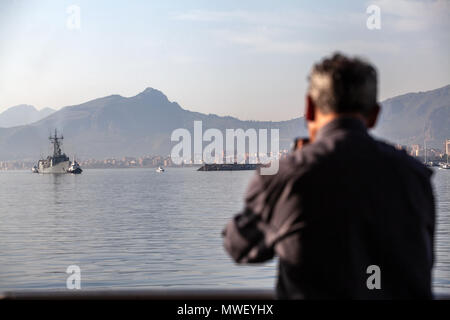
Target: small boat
[[74, 168], [160, 169]]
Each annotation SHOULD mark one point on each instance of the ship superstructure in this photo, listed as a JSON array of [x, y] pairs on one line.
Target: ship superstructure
[[58, 162]]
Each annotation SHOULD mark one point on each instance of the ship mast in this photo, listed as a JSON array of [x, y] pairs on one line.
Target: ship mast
[[55, 140]]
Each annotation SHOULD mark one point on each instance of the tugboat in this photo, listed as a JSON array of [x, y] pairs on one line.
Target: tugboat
[[75, 168], [59, 162]]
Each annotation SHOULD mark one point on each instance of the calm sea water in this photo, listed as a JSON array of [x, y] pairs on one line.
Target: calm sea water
[[136, 228]]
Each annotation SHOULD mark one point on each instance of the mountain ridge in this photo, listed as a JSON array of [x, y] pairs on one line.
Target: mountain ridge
[[22, 114], [117, 126]]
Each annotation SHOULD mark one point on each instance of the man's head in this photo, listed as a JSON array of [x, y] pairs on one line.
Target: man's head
[[341, 86]]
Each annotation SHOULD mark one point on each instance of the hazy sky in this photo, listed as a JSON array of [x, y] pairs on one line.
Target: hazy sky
[[248, 59]]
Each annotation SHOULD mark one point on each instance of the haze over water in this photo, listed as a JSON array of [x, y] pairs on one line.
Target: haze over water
[[136, 228]]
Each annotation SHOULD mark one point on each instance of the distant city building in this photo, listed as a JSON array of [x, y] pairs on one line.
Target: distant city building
[[415, 150], [149, 161]]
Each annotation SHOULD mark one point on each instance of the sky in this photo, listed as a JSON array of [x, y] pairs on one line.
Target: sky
[[248, 59]]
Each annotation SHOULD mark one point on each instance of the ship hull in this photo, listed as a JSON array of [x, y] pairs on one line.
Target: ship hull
[[58, 168]]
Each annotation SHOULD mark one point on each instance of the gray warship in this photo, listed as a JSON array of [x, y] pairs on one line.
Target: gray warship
[[59, 162]]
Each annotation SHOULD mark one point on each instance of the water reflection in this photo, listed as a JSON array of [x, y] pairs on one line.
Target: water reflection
[[135, 228]]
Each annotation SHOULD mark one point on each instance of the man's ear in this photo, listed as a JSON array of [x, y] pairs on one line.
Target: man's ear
[[373, 116], [310, 109]]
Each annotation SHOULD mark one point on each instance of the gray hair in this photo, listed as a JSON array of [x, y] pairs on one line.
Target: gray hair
[[343, 85]]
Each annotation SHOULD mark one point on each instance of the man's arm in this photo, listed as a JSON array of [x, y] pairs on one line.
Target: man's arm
[[270, 219], [244, 239], [246, 234]]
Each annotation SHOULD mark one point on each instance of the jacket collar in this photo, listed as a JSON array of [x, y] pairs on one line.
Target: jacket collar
[[341, 124]]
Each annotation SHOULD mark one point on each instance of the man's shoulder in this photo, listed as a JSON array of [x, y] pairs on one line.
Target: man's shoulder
[[297, 164], [316, 156], [306, 159], [399, 158]]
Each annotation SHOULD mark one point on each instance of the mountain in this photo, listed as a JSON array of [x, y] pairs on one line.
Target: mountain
[[412, 117], [117, 126], [21, 115]]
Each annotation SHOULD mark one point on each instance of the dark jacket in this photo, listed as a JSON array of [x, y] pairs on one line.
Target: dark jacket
[[336, 207]]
